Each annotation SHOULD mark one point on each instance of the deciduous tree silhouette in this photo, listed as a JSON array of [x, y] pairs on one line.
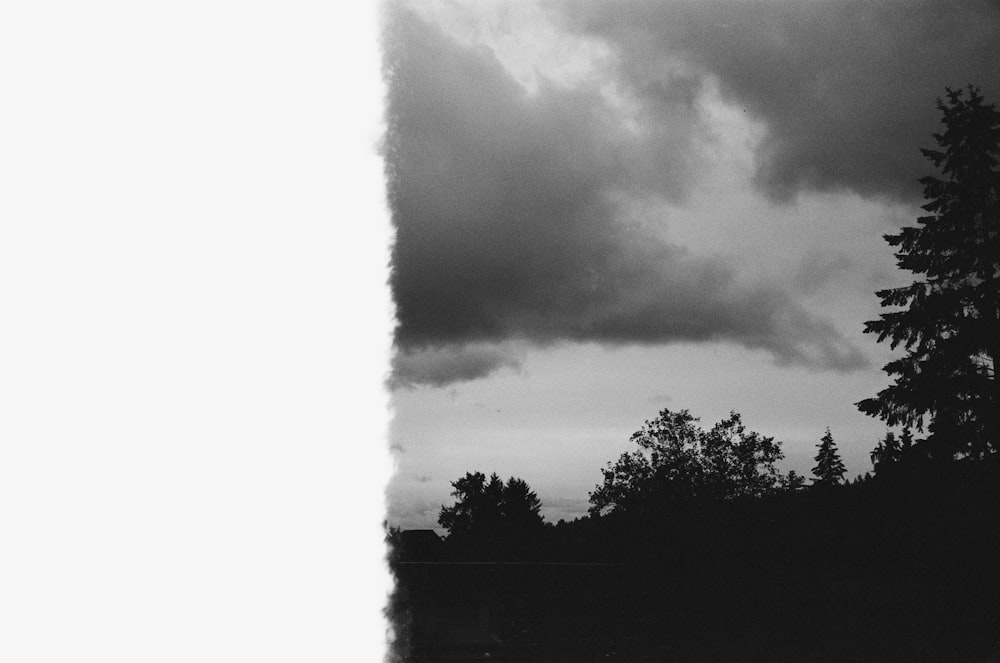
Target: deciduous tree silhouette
[[678, 461], [829, 470], [950, 318]]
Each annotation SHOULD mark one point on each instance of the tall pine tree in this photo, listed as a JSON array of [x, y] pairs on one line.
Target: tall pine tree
[[949, 324], [829, 470]]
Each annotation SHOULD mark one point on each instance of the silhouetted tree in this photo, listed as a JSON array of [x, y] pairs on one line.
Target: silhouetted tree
[[905, 440], [886, 453], [891, 451], [477, 504], [829, 470], [489, 508], [678, 461], [520, 506], [950, 318], [792, 481]]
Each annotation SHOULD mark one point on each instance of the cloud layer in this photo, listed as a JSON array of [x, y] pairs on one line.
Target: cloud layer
[[514, 218], [440, 366], [844, 88]]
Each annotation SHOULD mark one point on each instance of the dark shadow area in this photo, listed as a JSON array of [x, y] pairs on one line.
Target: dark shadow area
[[904, 567]]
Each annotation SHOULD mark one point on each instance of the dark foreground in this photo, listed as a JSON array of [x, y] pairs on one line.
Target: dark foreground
[[906, 569]]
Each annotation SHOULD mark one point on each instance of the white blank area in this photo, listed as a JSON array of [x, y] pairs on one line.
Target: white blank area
[[193, 256]]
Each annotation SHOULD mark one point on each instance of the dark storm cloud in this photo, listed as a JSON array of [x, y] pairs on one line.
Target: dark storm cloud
[[846, 89], [512, 224]]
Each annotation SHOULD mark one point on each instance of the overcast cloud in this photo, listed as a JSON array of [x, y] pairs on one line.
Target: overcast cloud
[[516, 213], [842, 87]]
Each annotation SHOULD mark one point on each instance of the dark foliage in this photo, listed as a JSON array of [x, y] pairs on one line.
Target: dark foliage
[[489, 513], [892, 454], [829, 470], [792, 481], [949, 322], [901, 567], [677, 462]]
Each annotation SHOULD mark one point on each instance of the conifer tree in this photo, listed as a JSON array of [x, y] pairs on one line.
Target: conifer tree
[[949, 324], [892, 451], [489, 508], [792, 481], [886, 453], [829, 470]]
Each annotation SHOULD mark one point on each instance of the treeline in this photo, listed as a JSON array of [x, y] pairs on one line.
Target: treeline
[[676, 465], [708, 484], [705, 551], [901, 567]]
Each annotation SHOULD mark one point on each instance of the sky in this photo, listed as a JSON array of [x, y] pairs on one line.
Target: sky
[[606, 209]]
